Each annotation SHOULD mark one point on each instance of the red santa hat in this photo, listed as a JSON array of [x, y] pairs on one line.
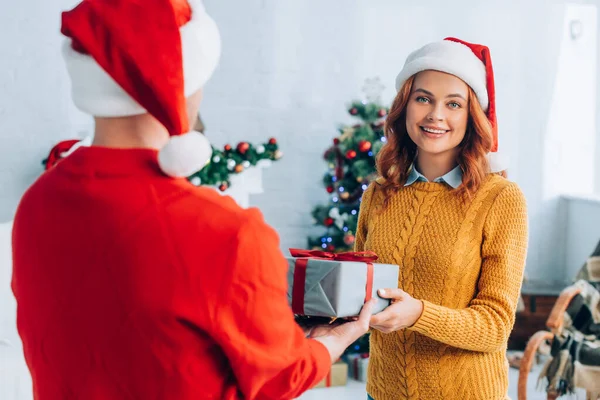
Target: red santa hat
[[128, 57], [470, 62]]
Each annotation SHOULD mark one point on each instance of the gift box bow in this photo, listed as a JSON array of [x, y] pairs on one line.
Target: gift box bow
[[360, 256]]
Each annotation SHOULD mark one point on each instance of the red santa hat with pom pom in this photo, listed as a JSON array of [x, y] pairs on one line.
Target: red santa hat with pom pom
[[130, 57], [470, 62]]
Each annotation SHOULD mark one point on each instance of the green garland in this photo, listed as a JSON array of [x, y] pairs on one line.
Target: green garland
[[232, 161]]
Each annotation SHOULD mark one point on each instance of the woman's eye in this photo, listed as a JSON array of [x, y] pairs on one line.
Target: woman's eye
[[454, 105], [422, 99]]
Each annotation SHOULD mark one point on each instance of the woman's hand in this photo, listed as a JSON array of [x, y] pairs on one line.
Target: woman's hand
[[402, 313]]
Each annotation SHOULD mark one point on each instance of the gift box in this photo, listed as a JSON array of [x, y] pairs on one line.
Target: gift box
[[324, 284], [358, 365], [337, 376]]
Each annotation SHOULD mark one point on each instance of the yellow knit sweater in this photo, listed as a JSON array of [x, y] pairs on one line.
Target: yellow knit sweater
[[465, 261]]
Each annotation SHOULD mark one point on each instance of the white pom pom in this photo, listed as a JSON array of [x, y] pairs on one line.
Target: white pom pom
[[184, 154], [498, 162]]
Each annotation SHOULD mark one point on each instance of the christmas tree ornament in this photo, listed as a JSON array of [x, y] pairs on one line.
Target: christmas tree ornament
[[243, 147], [278, 154], [350, 154], [260, 149], [349, 239], [353, 111], [223, 187], [216, 159], [364, 146], [227, 147], [381, 113], [338, 218], [328, 221], [345, 196], [272, 141], [330, 189], [196, 181], [231, 164], [373, 88], [347, 133], [238, 168]]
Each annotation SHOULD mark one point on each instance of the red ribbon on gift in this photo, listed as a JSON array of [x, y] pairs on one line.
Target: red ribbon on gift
[[302, 261], [355, 364]]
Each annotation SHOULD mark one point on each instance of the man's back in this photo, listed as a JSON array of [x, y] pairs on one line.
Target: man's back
[[133, 285]]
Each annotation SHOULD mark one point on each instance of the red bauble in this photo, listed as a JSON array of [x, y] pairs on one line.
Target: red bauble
[[328, 221], [349, 239], [227, 147], [330, 189], [243, 147], [336, 141], [382, 113], [353, 111], [330, 247], [272, 141], [350, 154], [223, 187], [364, 146]]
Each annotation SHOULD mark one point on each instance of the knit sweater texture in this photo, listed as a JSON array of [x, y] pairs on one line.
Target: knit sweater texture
[[465, 261]]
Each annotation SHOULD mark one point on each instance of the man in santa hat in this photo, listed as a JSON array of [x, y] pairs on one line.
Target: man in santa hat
[[130, 282]]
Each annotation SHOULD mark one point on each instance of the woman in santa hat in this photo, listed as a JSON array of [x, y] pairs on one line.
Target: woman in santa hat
[[443, 211], [130, 282]]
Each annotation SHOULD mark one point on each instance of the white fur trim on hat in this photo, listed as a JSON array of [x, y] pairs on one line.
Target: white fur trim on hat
[[184, 154], [95, 92], [452, 58], [498, 162]]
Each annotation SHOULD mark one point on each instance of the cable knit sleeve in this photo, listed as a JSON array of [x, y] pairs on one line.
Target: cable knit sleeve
[[363, 218], [486, 323]]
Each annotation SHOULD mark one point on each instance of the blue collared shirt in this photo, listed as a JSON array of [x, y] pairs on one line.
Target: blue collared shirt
[[452, 178]]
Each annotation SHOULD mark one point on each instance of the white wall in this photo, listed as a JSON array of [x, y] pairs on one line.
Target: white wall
[[289, 69], [582, 231], [34, 94]]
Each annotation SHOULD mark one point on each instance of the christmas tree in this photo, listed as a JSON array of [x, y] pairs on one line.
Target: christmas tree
[[351, 166]]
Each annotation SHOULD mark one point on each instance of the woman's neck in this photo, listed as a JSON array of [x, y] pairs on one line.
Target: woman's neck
[[433, 166]]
